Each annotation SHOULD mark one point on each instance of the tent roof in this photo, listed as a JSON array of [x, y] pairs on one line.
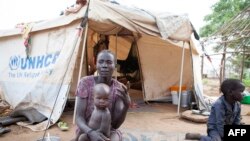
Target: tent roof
[[110, 18]]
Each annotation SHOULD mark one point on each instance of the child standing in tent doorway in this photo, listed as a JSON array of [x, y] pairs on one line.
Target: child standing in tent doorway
[[76, 7], [100, 119], [225, 111]]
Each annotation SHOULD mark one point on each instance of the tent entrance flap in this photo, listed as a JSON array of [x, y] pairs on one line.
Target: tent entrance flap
[[81, 54], [159, 69]]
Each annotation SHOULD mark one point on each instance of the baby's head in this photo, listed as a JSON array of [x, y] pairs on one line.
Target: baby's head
[[101, 95], [232, 88]]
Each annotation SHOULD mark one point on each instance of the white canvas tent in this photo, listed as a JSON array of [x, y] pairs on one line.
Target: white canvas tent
[[51, 72]]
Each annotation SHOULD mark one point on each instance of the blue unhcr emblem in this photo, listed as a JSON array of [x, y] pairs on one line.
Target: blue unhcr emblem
[[33, 62], [14, 62]]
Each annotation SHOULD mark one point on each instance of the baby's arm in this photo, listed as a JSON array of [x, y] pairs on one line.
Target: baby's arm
[[95, 119], [105, 123]]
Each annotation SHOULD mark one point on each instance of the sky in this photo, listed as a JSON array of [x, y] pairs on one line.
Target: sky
[[18, 11], [13, 12]]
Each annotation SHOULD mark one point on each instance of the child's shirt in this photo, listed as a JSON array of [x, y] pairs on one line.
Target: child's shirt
[[222, 113]]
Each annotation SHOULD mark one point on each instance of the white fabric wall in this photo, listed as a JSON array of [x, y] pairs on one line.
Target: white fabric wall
[[37, 81], [160, 64]]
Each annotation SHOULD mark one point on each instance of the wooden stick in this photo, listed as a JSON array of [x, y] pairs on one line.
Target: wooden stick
[[116, 56], [80, 70], [228, 52]]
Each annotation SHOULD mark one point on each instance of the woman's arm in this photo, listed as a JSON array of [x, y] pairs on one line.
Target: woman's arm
[[80, 114], [120, 108]]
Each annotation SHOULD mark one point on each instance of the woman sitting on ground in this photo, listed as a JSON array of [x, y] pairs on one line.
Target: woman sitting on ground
[[119, 99]]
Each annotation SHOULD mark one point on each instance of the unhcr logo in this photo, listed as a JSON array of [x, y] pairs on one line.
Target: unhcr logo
[[14, 62], [35, 62]]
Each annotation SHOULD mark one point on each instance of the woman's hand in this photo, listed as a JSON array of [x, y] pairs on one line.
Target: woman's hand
[[104, 137], [97, 136]]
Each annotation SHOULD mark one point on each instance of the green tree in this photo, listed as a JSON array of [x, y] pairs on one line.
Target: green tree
[[230, 22], [223, 11]]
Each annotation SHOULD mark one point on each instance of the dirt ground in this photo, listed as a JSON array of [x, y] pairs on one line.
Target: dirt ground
[[147, 120]]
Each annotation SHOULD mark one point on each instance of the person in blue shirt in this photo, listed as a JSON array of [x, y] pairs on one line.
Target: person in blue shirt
[[225, 111]]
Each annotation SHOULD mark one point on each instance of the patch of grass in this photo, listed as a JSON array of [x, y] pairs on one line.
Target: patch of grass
[[246, 82]]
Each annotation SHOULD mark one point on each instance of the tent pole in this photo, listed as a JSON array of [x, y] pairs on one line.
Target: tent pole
[[80, 70], [116, 56], [181, 77], [83, 24]]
